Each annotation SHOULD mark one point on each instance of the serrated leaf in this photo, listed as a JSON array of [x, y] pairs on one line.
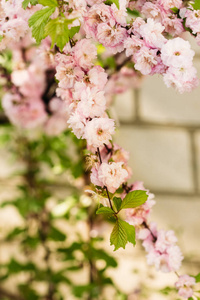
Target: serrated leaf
[[134, 199], [104, 210], [73, 31], [133, 12], [196, 5], [25, 3], [117, 202], [38, 22], [50, 3], [121, 234], [58, 31], [130, 231], [118, 236]]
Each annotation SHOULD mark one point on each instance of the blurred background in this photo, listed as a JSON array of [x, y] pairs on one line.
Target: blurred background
[[48, 229]]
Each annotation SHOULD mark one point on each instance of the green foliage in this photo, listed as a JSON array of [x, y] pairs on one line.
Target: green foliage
[[105, 210], [25, 3], [121, 234], [133, 12], [196, 4], [197, 277], [38, 21], [58, 30], [134, 199], [117, 202], [50, 3], [175, 10], [109, 2]]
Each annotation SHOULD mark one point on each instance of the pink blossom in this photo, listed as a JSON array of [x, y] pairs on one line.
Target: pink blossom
[[152, 34], [94, 177], [135, 29], [111, 37], [97, 14], [185, 285], [22, 112], [173, 25], [92, 104], [167, 4], [145, 60], [120, 14], [112, 175], [98, 77], [85, 53], [68, 72], [177, 53], [77, 123], [151, 10], [193, 20], [98, 131], [183, 79], [132, 45]]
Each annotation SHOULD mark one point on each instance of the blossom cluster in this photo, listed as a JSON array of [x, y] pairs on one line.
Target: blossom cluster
[[26, 88], [13, 22], [145, 41]]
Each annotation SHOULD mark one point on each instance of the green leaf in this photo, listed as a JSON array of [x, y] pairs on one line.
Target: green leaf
[[130, 231], [25, 3], [73, 31], [1, 38], [133, 12], [134, 199], [50, 3], [118, 236], [196, 4], [175, 10], [121, 234], [58, 31], [109, 2], [38, 22], [117, 202], [104, 210], [197, 277]]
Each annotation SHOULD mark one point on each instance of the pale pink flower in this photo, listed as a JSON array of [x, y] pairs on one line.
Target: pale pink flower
[[68, 72], [77, 123], [99, 131], [65, 94], [135, 29], [177, 53], [98, 77], [151, 10], [132, 45], [97, 14], [94, 177], [112, 175], [145, 60], [111, 37], [85, 53], [121, 13], [92, 104], [167, 4], [22, 112], [152, 34], [193, 20], [185, 285], [173, 26], [183, 79], [164, 240]]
